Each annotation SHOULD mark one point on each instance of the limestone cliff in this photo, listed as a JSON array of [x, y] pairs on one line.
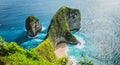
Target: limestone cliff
[[72, 16], [33, 26], [59, 29], [58, 32]]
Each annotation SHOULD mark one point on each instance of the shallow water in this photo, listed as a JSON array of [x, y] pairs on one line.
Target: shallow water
[[100, 26]]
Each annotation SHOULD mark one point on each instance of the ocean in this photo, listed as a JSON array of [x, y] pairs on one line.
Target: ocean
[[99, 34]]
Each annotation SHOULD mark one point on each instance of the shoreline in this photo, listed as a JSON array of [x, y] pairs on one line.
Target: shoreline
[[60, 50]]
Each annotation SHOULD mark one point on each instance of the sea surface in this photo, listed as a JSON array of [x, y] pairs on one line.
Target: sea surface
[[99, 34]]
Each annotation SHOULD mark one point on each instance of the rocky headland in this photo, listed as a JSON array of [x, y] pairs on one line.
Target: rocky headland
[[65, 20]]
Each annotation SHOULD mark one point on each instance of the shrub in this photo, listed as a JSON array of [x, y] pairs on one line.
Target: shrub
[[62, 61], [22, 59], [85, 61], [12, 54], [10, 48]]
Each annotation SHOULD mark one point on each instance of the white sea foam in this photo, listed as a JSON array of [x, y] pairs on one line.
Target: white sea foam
[[43, 34], [80, 46], [66, 50], [38, 40], [43, 28], [81, 43], [25, 29], [72, 60], [31, 37]]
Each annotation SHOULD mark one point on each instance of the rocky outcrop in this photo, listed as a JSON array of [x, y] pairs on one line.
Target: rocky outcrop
[[59, 29], [72, 16], [33, 26]]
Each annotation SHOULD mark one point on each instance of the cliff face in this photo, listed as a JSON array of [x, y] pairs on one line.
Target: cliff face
[[61, 24], [73, 17], [58, 31], [33, 26]]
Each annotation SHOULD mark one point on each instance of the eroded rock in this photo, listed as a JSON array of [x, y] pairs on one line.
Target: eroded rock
[[33, 26]]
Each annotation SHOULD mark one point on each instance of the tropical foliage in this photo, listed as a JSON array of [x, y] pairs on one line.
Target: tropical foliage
[[85, 61], [12, 54]]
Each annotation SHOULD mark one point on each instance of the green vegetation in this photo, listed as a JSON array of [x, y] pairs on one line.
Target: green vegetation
[[58, 31], [46, 50], [62, 61], [33, 27], [10, 48], [85, 61], [70, 37], [22, 59], [73, 17], [43, 54], [12, 54], [31, 19]]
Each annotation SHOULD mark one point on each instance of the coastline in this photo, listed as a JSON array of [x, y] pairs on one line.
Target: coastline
[[60, 50]]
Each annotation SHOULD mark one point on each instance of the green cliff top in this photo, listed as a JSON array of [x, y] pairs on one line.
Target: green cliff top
[[31, 18]]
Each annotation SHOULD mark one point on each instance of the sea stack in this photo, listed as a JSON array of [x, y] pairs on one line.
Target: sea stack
[[33, 26]]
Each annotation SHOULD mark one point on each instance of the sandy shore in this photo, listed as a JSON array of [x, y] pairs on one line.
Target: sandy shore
[[60, 50]]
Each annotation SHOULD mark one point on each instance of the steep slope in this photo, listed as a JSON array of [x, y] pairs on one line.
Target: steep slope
[[58, 32]]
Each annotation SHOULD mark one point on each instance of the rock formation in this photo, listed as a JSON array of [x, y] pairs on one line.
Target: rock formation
[[61, 24], [33, 26], [72, 16], [59, 28], [58, 31]]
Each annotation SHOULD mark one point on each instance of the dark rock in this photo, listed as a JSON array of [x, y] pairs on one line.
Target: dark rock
[[33, 26]]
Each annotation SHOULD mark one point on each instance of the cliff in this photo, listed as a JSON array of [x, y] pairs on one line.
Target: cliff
[[58, 31], [73, 17]]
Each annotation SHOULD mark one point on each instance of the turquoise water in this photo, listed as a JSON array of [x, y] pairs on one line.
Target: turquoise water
[[99, 34]]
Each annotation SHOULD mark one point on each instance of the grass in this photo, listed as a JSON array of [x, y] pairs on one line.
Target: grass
[[12, 54], [46, 50], [22, 59]]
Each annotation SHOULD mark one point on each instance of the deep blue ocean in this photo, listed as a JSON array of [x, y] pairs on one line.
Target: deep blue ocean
[[99, 34]]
